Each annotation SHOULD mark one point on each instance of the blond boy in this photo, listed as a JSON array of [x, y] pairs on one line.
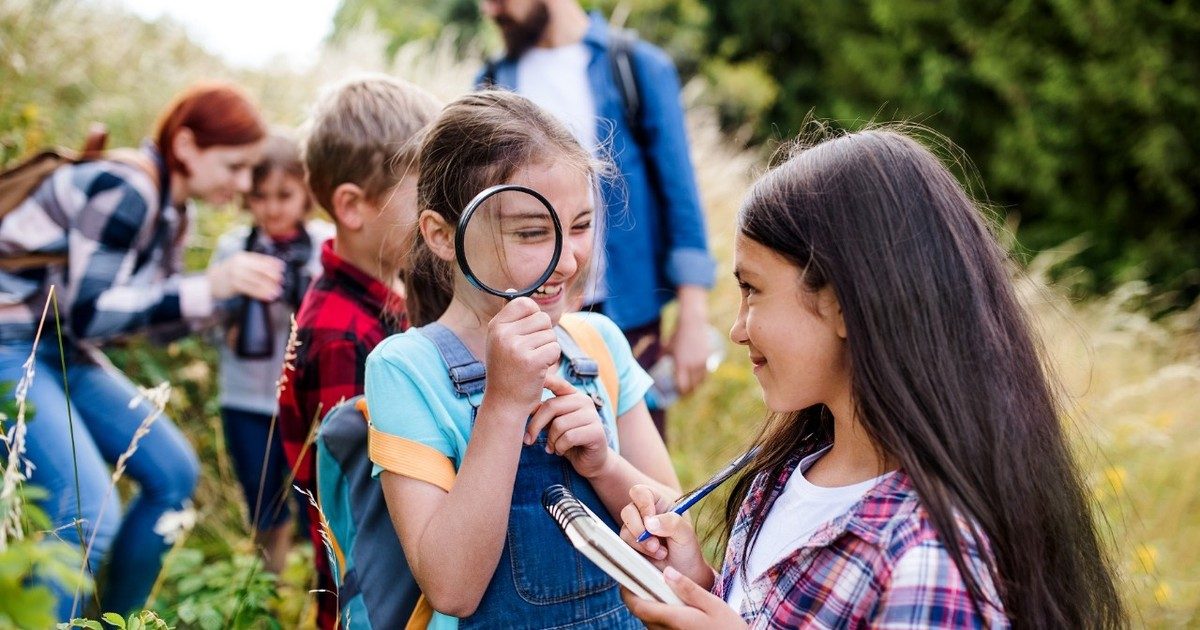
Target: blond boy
[[359, 153]]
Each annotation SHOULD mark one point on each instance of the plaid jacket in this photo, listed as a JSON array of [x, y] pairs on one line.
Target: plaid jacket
[[880, 565], [344, 315], [124, 247]]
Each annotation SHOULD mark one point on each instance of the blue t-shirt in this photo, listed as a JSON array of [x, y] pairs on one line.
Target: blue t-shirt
[[410, 395]]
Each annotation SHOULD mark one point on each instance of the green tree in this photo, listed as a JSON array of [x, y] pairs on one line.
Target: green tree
[[1079, 114]]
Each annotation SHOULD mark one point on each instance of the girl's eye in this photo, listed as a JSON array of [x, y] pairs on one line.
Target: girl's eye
[[746, 289], [530, 235], [582, 227]]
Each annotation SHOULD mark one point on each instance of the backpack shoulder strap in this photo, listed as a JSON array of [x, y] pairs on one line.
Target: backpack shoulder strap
[[590, 341], [621, 42], [16, 185], [136, 159]]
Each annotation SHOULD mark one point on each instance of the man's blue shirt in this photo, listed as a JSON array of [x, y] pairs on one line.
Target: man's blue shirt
[[655, 237]]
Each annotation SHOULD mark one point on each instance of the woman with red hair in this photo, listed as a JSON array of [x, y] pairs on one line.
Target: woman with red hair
[[113, 232]]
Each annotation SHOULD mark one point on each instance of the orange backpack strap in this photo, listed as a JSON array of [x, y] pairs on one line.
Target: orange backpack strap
[[593, 345]]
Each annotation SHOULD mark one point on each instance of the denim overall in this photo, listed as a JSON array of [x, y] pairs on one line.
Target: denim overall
[[540, 581]]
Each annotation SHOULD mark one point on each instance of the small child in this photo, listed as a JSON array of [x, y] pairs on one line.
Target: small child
[[463, 465], [358, 153], [915, 472], [256, 335]]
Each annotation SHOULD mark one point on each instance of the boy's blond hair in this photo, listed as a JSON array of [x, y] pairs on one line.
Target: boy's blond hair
[[365, 131]]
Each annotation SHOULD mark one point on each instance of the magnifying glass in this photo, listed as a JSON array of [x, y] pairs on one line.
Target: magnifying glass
[[509, 240]]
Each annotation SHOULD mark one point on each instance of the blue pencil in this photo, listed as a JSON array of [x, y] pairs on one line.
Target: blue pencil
[[688, 500]]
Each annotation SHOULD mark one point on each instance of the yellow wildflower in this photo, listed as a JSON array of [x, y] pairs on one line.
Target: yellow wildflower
[[1162, 593]]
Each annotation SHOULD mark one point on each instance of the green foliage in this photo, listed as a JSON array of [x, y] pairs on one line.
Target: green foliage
[[407, 20], [64, 64], [26, 565], [1079, 114], [212, 593], [144, 620]]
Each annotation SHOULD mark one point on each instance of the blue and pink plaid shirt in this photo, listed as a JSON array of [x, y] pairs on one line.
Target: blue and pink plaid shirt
[[879, 565]]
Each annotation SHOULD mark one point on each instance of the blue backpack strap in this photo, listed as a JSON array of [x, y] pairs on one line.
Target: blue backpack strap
[[466, 372], [580, 367]]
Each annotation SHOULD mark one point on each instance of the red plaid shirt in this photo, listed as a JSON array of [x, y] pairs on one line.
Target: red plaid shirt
[[342, 318], [879, 565]]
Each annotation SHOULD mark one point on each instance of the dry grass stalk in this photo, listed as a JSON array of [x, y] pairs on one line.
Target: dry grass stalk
[[158, 396], [17, 469]]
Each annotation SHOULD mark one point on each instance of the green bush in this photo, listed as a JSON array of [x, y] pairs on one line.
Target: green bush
[[1080, 115]]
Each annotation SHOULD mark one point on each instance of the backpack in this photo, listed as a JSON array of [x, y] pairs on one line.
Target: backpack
[[621, 42], [371, 593], [21, 181]]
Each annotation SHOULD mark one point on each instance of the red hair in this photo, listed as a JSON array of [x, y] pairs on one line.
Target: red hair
[[218, 114]]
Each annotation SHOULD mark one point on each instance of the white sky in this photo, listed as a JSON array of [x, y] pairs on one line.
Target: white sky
[[249, 33]]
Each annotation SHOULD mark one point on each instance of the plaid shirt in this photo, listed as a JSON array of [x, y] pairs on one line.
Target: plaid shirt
[[880, 564], [124, 247], [344, 315]]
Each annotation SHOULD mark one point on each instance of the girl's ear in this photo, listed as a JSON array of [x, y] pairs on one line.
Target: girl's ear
[[831, 309], [348, 206], [438, 234]]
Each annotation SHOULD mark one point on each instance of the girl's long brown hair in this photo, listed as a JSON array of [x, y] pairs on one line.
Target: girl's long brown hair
[[946, 374]]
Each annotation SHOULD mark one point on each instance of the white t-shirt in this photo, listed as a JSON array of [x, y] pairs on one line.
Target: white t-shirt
[[801, 509], [557, 79]]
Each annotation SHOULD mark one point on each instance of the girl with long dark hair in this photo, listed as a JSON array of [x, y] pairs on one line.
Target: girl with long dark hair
[[914, 471]]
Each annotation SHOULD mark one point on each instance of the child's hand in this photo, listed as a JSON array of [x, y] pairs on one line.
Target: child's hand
[[575, 429], [701, 610], [521, 347], [251, 274], [674, 541]]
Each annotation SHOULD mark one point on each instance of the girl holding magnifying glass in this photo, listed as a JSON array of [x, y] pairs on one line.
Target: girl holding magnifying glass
[[463, 464]]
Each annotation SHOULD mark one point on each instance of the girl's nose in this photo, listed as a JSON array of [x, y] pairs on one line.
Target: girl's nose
[[568, 263], [737, 333]]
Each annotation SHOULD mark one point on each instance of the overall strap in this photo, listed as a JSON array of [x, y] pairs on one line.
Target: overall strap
[[466, 372], [588, 338], [580, 367]]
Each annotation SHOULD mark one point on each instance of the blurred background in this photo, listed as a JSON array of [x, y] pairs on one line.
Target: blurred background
[[1079, 124]]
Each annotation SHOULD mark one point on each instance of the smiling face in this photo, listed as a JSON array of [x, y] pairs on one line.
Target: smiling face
[[510, 240], [278, 202], [216, 174], [795, 337]]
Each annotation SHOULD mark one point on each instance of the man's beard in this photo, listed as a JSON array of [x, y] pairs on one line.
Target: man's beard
[[523, 35]]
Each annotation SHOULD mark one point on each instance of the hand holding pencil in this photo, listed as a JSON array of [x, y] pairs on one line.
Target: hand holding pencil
[[660, 532], [688, 500]]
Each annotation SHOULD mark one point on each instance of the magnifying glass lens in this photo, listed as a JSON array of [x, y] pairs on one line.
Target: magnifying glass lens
[[510, 242]]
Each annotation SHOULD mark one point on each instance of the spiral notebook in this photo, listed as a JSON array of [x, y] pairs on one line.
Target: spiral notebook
[[592, 538]]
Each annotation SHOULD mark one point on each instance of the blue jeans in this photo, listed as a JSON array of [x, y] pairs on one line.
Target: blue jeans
[[258, 463], [79, 483]]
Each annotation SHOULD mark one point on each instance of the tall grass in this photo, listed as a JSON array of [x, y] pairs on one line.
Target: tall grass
[[1132, 383]]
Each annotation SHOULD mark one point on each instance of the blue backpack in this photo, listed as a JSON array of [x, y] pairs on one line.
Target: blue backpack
[[376, 589]]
